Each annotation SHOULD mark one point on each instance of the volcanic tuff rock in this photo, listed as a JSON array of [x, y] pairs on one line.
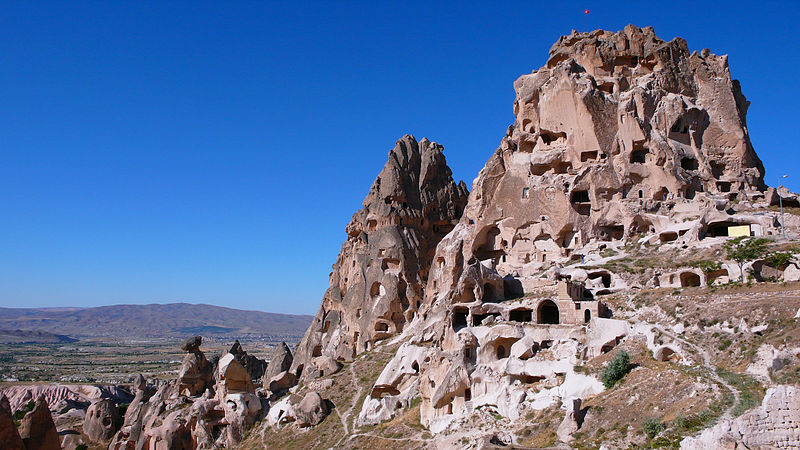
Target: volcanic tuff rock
[[101, 420], [279, 361], [9, 437], [377, 282], [254, 366], [37, 430], [620, 137], [196, 374]]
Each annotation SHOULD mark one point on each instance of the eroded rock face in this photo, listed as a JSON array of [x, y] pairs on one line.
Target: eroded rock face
[[619, 136], [376, 286], [37, 430], [772, 425], [196, 374], [311, 410], [254, 366], [280, 361], [9, 437], [101, 421]]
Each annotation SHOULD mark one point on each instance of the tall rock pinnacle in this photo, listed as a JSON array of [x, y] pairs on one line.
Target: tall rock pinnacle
[[377, 282]]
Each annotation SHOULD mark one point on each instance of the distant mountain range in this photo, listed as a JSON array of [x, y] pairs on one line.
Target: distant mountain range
[[154, 320]]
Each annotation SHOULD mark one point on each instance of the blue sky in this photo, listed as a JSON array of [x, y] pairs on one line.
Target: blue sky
[[214, 151]]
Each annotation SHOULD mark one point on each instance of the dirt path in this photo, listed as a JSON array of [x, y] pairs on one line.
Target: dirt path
[[711, 367], [344, 417]]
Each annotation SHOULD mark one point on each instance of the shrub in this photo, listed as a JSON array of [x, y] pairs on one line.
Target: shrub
[[20, 413], [617, 368], [652, 427]]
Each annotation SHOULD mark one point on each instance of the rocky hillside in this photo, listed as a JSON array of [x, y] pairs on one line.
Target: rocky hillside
[[174, 320], [617, 277], [627, 176]]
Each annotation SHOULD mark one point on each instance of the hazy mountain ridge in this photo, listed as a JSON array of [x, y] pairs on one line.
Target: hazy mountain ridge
[[153, 320]]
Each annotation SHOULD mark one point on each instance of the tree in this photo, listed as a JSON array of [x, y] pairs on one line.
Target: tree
[[743, 249]]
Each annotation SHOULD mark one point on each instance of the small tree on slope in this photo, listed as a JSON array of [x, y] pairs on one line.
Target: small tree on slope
[[743, 249]]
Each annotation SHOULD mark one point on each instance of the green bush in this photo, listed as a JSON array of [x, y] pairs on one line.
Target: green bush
[[617, 368], [20, 413], [652, 427]]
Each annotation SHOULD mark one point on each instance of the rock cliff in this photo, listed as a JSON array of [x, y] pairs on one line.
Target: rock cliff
[[377, 283]]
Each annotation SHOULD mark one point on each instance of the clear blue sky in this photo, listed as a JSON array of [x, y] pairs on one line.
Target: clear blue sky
[[213, 152]]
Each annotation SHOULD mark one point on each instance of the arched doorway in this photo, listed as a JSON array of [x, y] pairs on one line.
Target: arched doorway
[[548, 313], [587, 316]]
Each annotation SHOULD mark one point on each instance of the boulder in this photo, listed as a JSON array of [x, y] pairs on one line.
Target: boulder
[[232, 378], [572, 421], [254, 366], [101, 421], [311, 410], [37, 430], [192, 344], [282, 382], [279, 361]]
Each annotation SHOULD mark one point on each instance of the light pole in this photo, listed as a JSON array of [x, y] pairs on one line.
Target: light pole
[[780, 201]]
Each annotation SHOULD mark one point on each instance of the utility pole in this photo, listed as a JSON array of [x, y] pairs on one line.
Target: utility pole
[[780, 201]]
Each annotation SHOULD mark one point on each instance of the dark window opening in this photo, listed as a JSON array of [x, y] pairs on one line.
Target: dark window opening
[[690, 279], [639, 156], [587, 316], [415, 367], [467, 394], [668, 236], [689, 163], [521, 315], [548, 313], [589, 156], [501, 352], [605, 278], [460, 318], [491, 293], [724, 186], [317, 351], [550, 136], [580, 197]]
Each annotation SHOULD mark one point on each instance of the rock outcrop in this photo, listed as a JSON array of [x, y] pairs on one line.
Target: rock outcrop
[[9, 437], [280, 361], [775, 424], [254, 366], [196, 374], [376, 286], [37, 430], [101, 421], [620, 137]]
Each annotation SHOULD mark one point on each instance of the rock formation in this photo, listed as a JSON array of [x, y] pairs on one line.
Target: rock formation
[[620, 137], [101, 421], [196, 374], [37, 430], [254, 366], [279, 361], [376, 286], [775, 424], [9, 437], [311, 410]]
